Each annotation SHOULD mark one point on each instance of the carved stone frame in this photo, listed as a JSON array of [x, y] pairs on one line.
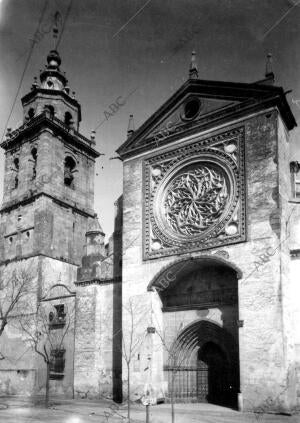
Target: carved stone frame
[[215, 149]]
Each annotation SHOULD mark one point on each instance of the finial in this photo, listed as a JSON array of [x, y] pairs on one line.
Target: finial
[[93, 135], [73, 94], [67, 88], [269, 71], [53, 60], [35, 83], [130, 129], [193, 72]]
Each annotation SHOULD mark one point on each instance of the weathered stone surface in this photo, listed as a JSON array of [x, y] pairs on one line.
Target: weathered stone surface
[[265, 339]]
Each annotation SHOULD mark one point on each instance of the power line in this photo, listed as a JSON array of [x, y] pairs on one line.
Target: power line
[[25, 68]]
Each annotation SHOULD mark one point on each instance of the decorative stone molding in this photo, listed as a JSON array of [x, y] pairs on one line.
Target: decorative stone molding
[[195, 196], [116, 279]]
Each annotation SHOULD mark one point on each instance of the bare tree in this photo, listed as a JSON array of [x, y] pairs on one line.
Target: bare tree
[[16, 286], [128, 338], [45, 331], [175, 361], [176, 356], [132, 337]]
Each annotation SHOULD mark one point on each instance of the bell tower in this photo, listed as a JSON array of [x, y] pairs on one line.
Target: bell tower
[[49, 174], [47, 208]]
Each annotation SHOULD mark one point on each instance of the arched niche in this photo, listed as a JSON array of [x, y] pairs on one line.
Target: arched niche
[[197, 283]]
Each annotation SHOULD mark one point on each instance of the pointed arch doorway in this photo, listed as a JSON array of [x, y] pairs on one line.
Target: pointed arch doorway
[[203, 365]]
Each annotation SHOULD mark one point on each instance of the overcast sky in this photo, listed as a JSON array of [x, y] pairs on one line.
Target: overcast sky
[[109, 48]]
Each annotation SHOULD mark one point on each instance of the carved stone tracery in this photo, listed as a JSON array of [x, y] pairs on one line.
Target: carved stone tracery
[[195, 200], [195, 196]]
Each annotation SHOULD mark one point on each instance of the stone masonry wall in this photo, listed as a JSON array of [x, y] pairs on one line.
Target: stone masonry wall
[[286, 292], [94, 339], [23, 371], [43, 227], [18, 368], [51, 153], [262, 359]]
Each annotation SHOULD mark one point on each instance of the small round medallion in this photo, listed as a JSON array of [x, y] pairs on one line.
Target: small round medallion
[[230, 148], [231, 229], [156, 171]]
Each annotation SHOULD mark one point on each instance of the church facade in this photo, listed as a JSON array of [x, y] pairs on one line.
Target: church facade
[[194, 297]]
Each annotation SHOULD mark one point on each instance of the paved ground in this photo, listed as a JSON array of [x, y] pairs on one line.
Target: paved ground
[[18, 410]]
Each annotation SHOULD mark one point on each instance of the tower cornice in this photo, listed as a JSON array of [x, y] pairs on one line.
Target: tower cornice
[[14, 204], [29, 96], [70, 135]]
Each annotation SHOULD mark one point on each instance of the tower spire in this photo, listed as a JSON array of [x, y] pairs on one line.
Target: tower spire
[[193, 72]]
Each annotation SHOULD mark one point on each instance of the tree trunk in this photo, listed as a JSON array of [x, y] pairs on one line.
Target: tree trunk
[[2, 327], [128, 391], [47, 385], [172, 398]]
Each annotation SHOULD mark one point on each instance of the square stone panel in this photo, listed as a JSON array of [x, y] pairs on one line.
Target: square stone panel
[[194, 196]]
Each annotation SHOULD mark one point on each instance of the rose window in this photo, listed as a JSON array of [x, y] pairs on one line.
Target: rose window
[[195, 199]]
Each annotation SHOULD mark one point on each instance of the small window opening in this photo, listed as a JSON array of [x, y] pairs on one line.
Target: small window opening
[[60, 309], [50, 109], [10, 239], [57, 318], [16, 169], [19, 218], [31, 113], [295, 179], [191, 108], [68, 119], [34, 159], [69, 172]]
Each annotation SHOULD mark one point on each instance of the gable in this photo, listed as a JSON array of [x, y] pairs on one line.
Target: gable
[[200, 105], [192, 108]]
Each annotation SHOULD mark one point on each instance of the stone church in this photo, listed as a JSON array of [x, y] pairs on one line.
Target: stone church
[[196, 290]]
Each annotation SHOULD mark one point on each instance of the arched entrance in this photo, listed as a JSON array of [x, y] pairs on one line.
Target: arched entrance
[[200, 315], [202, 365]]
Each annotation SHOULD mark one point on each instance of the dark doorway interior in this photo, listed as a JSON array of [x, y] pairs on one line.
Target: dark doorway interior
[[212, 381]]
